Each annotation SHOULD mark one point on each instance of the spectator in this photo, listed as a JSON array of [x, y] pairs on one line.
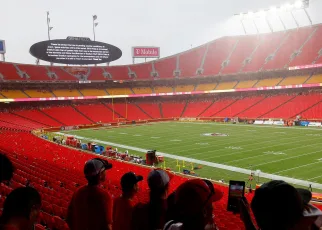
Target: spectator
[[6, 168], [21, 209], [123, 205], [279, 206], [91, 206], [192, 208], [152, 215]]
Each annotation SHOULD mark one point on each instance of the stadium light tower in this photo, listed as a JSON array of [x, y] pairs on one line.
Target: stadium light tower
[[49, 28], [276, 10], [94, 24]]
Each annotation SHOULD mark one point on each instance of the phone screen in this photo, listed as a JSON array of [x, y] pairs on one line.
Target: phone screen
[[236, 192]]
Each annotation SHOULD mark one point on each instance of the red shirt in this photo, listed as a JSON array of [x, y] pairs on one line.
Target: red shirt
[[90, 209], [122, 213]]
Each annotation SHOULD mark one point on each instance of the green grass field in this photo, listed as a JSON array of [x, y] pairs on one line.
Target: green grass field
[[292, 152]]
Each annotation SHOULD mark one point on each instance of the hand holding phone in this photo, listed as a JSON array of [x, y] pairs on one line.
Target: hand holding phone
[[236, 193]]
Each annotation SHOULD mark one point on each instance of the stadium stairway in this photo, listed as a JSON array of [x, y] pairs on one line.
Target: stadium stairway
[[143, 111], [77, 110], [161, 111], [251, 106], [184, 108], [153, 110], [230, 103], [50, 117], [315, 107], [38, 116], [30, 119]]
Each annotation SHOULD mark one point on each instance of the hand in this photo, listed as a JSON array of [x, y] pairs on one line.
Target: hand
[[245, 214]]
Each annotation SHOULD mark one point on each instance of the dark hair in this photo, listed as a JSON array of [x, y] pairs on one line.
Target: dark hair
[[19, 203], [93, 180], [277, 211], [156, 206], [6, 168]]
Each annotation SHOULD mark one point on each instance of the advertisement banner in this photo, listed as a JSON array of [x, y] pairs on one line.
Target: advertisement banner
[[268, 122], [304, 123], [258, 122], [145, 52], [278, 123], [315, 124]]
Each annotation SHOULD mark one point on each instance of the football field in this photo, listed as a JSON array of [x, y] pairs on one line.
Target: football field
[[224, 151]]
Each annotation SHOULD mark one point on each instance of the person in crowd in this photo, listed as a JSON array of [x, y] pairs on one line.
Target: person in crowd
[[191, 207], [123, 205], [152, 216], [6, 168], [91, 206], [21, 209], [277, 205]]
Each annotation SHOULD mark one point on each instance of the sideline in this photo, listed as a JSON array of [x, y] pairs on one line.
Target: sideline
[[210, 164]]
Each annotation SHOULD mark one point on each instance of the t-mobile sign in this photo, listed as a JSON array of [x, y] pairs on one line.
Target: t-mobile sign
[[145, 52]]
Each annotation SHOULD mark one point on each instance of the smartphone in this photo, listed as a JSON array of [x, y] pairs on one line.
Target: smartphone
[[236, 192]]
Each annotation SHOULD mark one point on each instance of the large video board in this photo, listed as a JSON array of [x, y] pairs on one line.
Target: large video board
[[75, 51]]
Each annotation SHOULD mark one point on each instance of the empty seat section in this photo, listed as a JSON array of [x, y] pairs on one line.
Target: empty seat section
[[226, 85], [119, 91], [238, 107], [96, 73], [265, 106], [313, 113], [14, 119], [315, 79], [38, 93], [165, 67], [119, 109], [134, 113], [310, 51], [244, 49], [268, 82], [142, 90], [2, 97], [193, 109], [218, 52], [35, 72], [295, 80], [13, 94], [295, 106], [96, 112], [62, 74], [216, 107], [184, 88], [93, 92], [246, 84], [142, 71], [292, 43], [118, 72], [66, 115], [38, 116], [152, 109], [206, 87], [171, 110], [66, 93], [190, 61], [9, 72], [13, 126], [163, 89], [268, 44]]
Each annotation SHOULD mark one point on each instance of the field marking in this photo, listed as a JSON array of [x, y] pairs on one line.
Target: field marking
[[175, 140], [297, 167], [210, 164], [155, 137], [257, 126], [123, 133], [137, 135]]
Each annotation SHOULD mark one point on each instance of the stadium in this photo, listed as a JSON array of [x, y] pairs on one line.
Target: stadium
[[246, 108]]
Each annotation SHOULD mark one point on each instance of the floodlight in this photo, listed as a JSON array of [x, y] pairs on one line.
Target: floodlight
[[261, 13], [250, 14], [299, 4]]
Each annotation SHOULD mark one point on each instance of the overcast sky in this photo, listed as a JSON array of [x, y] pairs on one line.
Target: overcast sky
[[173, 25]]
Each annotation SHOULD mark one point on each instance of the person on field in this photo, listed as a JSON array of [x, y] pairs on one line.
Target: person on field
[[91, 206]]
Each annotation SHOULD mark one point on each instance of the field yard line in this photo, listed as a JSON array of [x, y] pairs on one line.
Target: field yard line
[[315, 177], [211, 164], [264, 154], [257, 126], [298, 167], [297, 156], [254, 149]]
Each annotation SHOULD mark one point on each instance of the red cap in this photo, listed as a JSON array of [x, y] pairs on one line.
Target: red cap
[[193, 195]]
